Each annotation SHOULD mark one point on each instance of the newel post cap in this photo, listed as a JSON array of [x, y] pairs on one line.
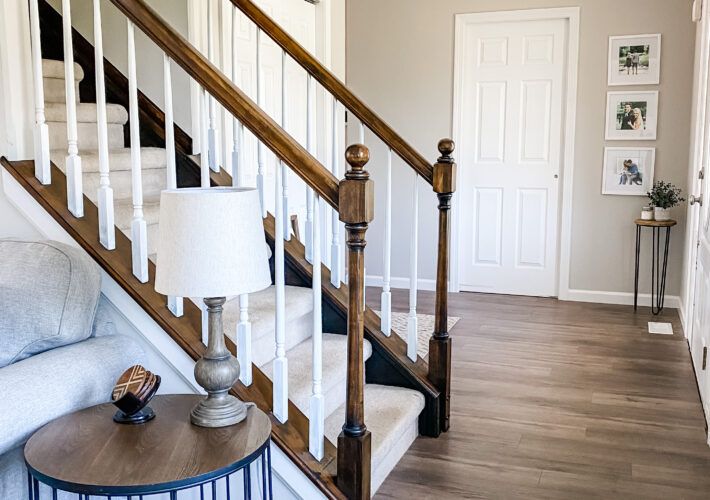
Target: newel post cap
[[444, 178], [357, 190]]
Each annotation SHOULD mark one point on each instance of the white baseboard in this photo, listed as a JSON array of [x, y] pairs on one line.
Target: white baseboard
[[622, 298], [399, 282], [682, 314]]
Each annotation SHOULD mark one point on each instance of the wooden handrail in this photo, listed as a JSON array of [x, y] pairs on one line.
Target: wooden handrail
[[337, 88], [232, 98]]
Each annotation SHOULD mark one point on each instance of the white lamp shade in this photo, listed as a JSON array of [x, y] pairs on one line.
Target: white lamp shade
[[211, 243]]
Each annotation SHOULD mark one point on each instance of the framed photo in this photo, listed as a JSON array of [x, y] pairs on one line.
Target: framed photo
[[631, 116], [635, 60], [628, 171]]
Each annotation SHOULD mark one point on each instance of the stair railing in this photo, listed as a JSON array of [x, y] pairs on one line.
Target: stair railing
[[352, 199], [441, 176]]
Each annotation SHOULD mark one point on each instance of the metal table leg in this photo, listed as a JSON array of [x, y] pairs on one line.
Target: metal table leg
[[636, 275], [658, 270]]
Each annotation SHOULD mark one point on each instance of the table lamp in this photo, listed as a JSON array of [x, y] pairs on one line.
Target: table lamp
[[212, 245]]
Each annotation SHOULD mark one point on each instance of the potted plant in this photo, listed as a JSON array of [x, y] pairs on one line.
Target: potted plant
[[664, 196]]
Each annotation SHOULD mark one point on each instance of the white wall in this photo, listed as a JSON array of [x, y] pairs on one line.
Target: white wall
[[400, 61]]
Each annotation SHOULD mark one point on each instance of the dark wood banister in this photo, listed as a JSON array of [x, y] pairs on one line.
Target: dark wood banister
[[337, 88], [232, 98]]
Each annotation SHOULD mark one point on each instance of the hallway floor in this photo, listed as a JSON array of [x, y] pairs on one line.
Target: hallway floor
[[560, 400]]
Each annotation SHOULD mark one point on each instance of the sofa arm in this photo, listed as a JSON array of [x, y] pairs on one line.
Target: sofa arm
[[46, 386]]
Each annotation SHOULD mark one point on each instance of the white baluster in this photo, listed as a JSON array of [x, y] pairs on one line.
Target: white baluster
[[280, 403], [412, 317], [107, 229], [386, 299], [212, 151], [41, 132], [169, 125], [244, 341], [316, 415], [284, 168], [310, 145], [204, 183], [139, 231], [361, 134], [237, 127], [75, 193], [204, 155], [335, 221], [175, 304], [260, 146]]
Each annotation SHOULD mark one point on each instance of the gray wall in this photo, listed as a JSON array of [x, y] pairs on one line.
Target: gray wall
[[400, 61]]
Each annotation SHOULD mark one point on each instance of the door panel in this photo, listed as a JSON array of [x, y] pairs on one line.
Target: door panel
[[509, 155]]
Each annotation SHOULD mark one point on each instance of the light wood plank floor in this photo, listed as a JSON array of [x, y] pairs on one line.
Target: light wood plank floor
[[560, 400]]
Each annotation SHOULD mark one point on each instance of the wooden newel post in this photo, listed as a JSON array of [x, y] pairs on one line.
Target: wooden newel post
[[356, 202], [440, 342]]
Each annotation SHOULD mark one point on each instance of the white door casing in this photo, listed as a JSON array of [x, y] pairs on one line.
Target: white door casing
[[510, 110]]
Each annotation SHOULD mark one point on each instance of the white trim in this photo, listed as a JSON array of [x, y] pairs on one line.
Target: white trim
[[400, 282], [682, 316], [572, 15], [623, 298]]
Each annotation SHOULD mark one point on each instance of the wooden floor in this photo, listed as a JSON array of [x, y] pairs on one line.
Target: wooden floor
[[560, 400]]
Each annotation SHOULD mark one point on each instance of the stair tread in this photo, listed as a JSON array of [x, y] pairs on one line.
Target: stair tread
[[85, 113], [388, 411], [299, 302], [52, 68], [119, 159], [123, 211], [335, 368]]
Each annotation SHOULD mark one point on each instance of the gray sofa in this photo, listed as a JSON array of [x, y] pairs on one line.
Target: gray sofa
[[58, 350]]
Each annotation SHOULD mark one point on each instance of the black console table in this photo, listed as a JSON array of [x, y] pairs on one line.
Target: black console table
[[658, 268]]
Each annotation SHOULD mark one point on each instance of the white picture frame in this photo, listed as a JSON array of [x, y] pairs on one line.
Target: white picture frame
[[620, 178], [631, 116], [634, 60]]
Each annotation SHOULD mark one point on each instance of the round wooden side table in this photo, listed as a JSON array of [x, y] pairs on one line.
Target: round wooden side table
[[87, 453], [658, 270]]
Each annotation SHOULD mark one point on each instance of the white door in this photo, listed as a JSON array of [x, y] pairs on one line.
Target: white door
[[699, 337], [297, 17], [511, 90]]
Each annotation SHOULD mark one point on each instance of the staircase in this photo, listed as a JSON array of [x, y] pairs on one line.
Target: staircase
[[401, 394]]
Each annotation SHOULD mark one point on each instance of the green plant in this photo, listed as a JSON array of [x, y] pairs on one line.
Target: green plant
[[664, 195]]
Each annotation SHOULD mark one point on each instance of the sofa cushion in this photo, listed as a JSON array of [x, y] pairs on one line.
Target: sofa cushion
[[48, 297]]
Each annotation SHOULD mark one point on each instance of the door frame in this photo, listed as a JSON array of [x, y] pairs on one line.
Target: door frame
[[699, 155], [569, 123]]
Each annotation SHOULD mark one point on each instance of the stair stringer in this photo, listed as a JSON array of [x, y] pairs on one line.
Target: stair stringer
[[174, 365]]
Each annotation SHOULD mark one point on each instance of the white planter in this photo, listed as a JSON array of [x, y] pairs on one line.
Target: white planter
[[647, 214], [661, 213]]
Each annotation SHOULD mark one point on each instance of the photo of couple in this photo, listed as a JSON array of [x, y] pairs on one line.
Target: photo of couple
[[634, 59], [631, 116], [629, 173]]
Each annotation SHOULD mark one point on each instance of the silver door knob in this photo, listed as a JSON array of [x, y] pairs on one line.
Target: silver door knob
[[692, 199]]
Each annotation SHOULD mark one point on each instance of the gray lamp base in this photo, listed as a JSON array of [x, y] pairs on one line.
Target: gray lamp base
[[218, 411], [216, 372]]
